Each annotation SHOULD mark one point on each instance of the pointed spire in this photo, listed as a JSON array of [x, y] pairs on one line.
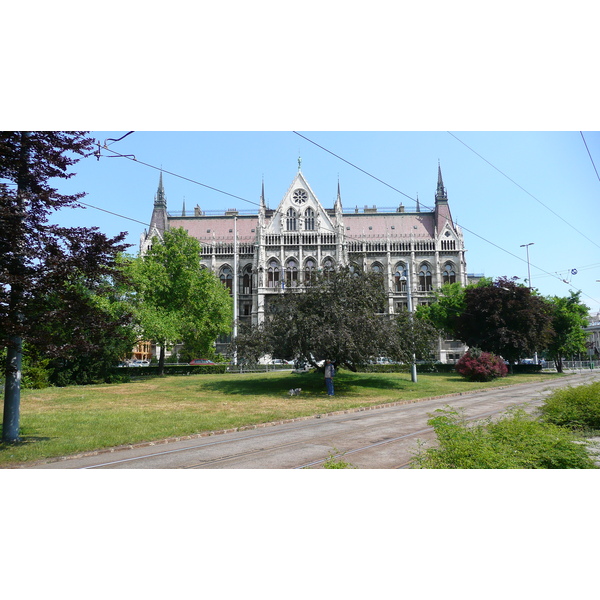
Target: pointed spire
[[159, 220], [160, 199], [299, 164], [442, 208], [441, 192], [418, 205], [338, 201], [262, 192], [183, 209]]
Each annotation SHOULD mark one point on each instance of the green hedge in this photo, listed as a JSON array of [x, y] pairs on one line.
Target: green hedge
[[171, 370], [438, 368], [421, 368], [524, 368]]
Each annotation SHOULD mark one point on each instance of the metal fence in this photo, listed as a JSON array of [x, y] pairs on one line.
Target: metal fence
[[573, 365]]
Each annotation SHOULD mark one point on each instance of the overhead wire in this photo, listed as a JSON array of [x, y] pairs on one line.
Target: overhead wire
[[461, 225], [161, 169], [522, 188], [590, 155], [113, 213], [141, 162], [353, 165]]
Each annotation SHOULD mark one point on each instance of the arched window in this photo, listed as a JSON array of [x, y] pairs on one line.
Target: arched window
[[377, 270], [400, 278], [291, 273], [309, 220], [449, 276], [226, 278], [273, 274], [425, 279], [310, 268], [328, 267], [291, 222], [355, 269], [247, 280]]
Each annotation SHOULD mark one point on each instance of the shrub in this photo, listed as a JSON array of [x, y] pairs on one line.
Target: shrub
[[335, 462], [36, 377], [574, 407], [516, 441], [476, 365]]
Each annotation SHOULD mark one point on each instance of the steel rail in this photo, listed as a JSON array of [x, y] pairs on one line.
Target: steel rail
[[407, 435], [360, 414]]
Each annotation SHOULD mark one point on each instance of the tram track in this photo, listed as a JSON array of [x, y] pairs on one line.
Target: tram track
[[239, 456], [254, 436], [367, 435], [414, 434]]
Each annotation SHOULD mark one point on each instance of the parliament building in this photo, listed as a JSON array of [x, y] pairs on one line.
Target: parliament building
[[262, 254]]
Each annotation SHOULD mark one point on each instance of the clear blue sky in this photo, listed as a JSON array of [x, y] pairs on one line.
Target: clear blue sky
[[552, 200]]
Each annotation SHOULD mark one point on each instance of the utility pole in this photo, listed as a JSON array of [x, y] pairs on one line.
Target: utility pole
[[14, 351], [526, 246]]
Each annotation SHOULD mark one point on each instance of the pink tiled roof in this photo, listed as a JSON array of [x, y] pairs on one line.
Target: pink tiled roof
[[356, 225], [219, 227], [404, 224]]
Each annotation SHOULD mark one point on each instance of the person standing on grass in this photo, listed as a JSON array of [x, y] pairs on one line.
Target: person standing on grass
[[329, 375]]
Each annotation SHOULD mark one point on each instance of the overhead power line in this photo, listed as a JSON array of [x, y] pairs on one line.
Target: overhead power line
[[528, 193], [462, 226], [113, 213], [353, 165], [134, 159], [589, 154]]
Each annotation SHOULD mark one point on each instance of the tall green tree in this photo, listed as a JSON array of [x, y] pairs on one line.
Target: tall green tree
[[175, 298], [84, 327], [411, 337], [338, 315], [448, 305], [569, 317], [37, 259]]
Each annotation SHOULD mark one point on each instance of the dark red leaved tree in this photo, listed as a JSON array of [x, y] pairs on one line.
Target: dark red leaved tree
[[47, 273]]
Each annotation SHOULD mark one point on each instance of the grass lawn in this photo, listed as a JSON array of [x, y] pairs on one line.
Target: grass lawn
[[61, 421]]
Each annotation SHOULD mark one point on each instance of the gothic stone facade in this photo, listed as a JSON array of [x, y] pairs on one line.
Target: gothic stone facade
[[278, 249]]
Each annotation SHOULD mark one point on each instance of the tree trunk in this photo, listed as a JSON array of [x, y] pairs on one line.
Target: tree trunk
[[12, 386], [161, 360], [12, 391]]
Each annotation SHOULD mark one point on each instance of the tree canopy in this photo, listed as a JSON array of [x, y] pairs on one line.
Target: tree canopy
[[448, 304], [175, 298], [569, 317], [497, 316], [504, 318], [48, 274], [338, 315]]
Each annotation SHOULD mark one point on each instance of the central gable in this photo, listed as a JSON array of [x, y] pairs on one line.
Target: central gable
[[300, 210]]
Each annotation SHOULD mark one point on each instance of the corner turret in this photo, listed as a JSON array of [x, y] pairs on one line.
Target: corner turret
[[159, 220], [442, 208]]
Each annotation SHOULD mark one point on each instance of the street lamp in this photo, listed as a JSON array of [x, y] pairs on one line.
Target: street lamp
[[406, 276], [528, 269], [526, 246]]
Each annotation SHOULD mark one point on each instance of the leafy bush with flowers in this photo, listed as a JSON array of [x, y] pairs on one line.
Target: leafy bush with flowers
[[477, 365]]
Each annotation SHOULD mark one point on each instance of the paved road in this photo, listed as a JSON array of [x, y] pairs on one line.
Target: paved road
[[383, 438]]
